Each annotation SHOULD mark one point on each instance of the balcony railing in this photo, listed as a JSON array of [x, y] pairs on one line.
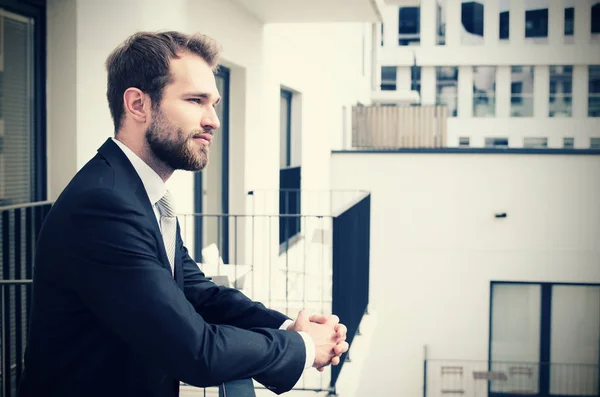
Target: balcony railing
[[392, 127], [473, 378], [326, 270]]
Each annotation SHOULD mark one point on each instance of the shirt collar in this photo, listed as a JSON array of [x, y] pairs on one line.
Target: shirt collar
[[154, 185]]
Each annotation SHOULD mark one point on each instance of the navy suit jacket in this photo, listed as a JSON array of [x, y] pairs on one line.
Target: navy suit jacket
[[108, 318]]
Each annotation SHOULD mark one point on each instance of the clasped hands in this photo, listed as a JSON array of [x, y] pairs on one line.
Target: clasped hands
[[328, 335]]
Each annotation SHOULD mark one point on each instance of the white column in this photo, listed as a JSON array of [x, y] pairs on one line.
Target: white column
[[453, 22], [503, 92], [427, 85], [556, 22], [583, 22], [403, 78], [580, 90], [390, 27], [517, 22], [465, 91], [491, 23], [541, 91], [375, 51], [428, 23]]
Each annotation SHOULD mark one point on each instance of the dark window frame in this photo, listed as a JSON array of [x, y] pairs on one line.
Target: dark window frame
[[545, 327], [36, 9]]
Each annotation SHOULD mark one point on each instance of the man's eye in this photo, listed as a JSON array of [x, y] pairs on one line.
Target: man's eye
[[195, 100]]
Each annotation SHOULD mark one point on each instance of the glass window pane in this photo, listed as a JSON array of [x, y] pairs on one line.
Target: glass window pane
[[409, 26], [484, 91], [561, 91], [447, 88], [516, 316], [594, 91], [521, 91], [536, 21], [535, 142], [285, 109], [568, 143], [569, 24], [574, 340], [388, 78], [441, 22], [16, 111], [595, 21], [472, 22]]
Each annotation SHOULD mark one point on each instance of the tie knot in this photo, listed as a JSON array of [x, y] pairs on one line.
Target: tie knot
[[166, 206]]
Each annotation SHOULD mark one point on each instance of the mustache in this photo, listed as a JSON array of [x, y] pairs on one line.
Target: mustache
[[199, 133]]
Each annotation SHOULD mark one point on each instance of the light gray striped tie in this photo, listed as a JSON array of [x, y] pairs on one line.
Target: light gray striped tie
[[168, 226]]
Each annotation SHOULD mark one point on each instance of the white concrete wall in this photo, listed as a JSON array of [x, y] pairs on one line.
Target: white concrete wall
[[436, 245]]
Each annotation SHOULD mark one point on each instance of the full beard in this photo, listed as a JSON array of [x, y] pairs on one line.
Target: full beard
[[178, 152]]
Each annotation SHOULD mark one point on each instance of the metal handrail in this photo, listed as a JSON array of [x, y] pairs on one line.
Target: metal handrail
[[25, 205]]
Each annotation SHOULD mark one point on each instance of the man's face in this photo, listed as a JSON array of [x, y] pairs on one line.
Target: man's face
[[183, 123]]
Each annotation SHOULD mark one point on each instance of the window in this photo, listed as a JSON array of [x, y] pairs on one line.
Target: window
[[569, 24], [289, 173], [22, 82], [484, 91], [594, 91], [463, 141], [536, 23], [496, 142], [537, 323], [415, 79], [594, 143], [472, 22], [568, 143], [595, 28], [561, 91], [504, 26], [441, 22], [535, 142], [388, 78], [409, 26], [521, 87], [447, 88]]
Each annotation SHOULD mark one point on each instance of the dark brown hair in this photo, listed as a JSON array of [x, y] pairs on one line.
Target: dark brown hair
[[142, 61]]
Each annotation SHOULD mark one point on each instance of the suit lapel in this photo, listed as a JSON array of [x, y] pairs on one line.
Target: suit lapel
[[127, 179]]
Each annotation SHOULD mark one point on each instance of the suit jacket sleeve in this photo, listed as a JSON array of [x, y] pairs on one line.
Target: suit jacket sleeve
[[113, 267], [222, 305]]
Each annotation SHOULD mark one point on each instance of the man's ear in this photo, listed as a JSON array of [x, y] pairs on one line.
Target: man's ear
[[137, 104]]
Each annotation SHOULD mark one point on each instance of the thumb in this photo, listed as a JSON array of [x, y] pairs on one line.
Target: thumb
[[303, 319]]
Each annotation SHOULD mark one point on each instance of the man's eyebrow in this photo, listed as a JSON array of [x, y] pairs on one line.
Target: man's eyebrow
[[203, 95]]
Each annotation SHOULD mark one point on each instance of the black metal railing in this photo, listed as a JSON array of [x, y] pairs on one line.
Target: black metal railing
[[15, 301], [351, 239], [508, 378], [19, 228], [302, 276]]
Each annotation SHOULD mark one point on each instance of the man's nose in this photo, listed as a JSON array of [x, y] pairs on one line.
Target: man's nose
[[211, 121]]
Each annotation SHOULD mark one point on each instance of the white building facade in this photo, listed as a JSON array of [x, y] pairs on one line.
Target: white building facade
[[513, 73]]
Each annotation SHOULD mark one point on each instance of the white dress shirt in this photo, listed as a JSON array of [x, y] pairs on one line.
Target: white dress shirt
[[155, 188]]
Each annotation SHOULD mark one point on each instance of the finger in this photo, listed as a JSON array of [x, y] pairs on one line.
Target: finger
[[319, 318], [335, 360], [333, 320], [340, 348], [321, 369], [341, 331]]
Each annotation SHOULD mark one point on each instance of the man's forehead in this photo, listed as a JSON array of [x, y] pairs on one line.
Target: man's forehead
[[190, 72]]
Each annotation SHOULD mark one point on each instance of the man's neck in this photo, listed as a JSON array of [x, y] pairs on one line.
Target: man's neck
[[143, 151]]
